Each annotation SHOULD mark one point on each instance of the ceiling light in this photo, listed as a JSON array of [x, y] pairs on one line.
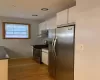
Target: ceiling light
[[34, 15], [44, 9]]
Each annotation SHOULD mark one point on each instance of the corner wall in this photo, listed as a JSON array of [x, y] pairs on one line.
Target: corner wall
[[87, 61]]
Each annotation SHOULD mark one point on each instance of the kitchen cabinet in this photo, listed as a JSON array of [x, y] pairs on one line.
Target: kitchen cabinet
[[62, 17], [45, 56], [4, 69], [51, 23], [72, 14], [48, 24], [42, 26]]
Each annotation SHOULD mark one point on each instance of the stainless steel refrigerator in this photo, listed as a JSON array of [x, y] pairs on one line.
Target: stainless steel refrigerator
[[61, 52]]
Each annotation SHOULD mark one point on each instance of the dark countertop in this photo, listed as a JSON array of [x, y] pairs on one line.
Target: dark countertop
[[3, 53], [40, 46]]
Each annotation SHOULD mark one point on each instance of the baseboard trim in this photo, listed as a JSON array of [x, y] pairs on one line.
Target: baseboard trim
[[22, 58]]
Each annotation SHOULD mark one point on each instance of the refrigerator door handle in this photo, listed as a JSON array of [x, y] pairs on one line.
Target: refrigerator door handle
[[54, 46], [53, 42]]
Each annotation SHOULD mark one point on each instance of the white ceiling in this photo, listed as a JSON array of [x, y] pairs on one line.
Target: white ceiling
[[25, 8]]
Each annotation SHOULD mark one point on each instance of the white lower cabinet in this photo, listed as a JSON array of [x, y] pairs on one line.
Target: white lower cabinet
[[45, 56], [4, 69]]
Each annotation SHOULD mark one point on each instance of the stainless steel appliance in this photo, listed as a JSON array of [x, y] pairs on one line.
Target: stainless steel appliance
[[61, 52], [37, 55], [38, 44]]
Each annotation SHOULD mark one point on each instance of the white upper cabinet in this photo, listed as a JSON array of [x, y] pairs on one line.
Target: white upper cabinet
[[48, 24], [42, 26], [72, 14], [62, 17], [51, 23]]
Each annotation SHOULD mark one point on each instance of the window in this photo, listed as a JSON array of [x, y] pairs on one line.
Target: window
[[16, 31]]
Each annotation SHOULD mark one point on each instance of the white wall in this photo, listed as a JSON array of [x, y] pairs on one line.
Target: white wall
[[87, 60], [19, 48]]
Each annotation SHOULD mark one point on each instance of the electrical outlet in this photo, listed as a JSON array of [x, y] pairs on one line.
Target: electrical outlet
[[82, 47]]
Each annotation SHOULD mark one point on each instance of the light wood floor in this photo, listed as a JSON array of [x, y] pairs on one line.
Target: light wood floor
[[27, 69]]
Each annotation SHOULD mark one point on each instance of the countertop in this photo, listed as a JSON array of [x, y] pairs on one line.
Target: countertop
[[3, 53]]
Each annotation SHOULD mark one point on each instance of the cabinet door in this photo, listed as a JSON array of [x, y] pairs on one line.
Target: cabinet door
[[51, 23], [72, 15], [62, 17], [4, 69], [45, 58], [42, 26]]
